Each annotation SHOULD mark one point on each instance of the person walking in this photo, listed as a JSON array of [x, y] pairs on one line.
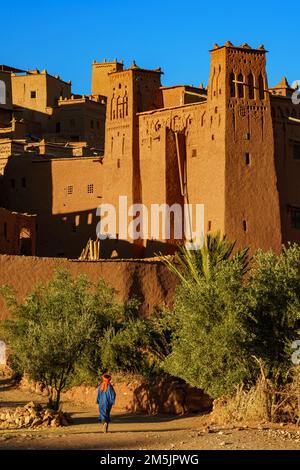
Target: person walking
[[105, 399]]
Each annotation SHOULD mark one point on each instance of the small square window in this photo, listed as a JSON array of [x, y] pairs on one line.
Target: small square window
[[295, 218], [194, 153], [209, 225], [119, 163], [33, 94], [90, 188], [245, 226], [70, 189]]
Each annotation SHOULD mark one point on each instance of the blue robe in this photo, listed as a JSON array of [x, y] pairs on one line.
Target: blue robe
[[105, 400]]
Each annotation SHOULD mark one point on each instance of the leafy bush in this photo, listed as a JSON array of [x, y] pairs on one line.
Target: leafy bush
[[274, 309], [69, 331], [49, 331], [209, 337], [222, 317]]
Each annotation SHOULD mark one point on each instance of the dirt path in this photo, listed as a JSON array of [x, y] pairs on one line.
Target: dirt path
[[137, 431]]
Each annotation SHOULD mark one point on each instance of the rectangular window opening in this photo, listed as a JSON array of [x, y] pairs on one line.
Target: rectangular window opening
[[247, 159], [296, 151], [295, 218]]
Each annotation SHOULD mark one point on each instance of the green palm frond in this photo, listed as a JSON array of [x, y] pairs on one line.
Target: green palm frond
[[196, 265]]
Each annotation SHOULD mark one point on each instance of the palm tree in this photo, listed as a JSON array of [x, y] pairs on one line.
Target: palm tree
[[192, 265]]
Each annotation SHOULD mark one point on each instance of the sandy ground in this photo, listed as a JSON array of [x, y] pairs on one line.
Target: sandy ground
[[132, 432]]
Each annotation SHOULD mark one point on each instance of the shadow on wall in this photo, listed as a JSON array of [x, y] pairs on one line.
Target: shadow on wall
[[171, 397], [27, 187], [123, 249]]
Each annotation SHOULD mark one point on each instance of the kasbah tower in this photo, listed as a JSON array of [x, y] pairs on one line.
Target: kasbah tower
[[178, 144], [214, 146]]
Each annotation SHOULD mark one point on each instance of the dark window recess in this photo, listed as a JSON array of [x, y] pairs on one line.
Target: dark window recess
[[119, 163], [33, 94], [247, 158], [90, 188], [295, 218], [232, 85], [261, 87], [23, 182], [70, 189], [240, 80], [245, 226], [194, 153], [13, 183], [209, 225], [98, 125], [5, 230], [296, 151], [251, 86], [57, 128]]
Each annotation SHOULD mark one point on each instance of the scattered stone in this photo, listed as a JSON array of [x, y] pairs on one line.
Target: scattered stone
[[32, 415]]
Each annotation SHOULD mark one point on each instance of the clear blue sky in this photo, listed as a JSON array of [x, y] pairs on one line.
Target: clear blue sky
[[65, 36]]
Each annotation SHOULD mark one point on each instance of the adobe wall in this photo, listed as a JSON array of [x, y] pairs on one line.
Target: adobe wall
[[57, 190], [251, 196], [148, 279], [48, 89], [287, 135], [18, 232]]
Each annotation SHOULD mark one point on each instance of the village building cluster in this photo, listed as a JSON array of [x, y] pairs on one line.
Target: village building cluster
[[233, 146]]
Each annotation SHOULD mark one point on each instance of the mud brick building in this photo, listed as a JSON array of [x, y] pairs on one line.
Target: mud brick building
[[233, 146]]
